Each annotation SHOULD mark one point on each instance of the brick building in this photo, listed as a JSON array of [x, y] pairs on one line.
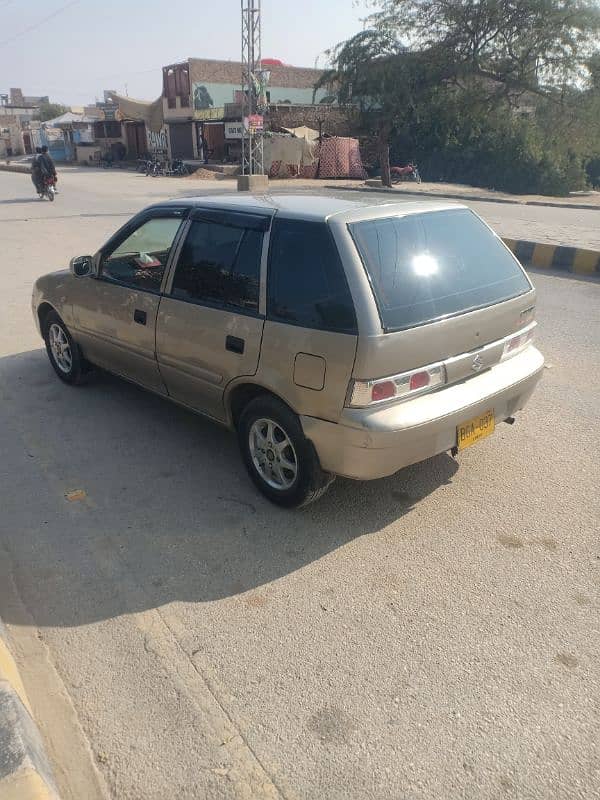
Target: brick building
[[202, 97]]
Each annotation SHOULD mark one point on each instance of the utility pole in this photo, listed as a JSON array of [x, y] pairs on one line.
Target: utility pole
[[252, 80]]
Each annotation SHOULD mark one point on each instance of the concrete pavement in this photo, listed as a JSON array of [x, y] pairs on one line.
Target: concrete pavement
[[428, 636]]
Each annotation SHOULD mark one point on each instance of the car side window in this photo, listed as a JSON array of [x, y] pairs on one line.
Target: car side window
[[219, 265], [139, 260], [307, 285]]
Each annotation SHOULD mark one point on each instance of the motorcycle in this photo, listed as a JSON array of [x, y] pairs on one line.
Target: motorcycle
[[154, 167], [179, 168], [408, 173], [48, 187]]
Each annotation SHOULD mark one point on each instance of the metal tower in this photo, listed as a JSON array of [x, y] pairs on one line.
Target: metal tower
[[252, 76]]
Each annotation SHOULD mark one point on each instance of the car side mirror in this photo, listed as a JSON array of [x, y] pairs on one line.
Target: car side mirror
[[82, 266]]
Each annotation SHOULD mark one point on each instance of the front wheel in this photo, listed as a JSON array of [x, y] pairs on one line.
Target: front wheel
[[63, 352], [281, 461], [50, 193]]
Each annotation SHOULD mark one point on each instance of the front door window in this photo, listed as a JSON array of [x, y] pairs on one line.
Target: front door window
[[139, 261]]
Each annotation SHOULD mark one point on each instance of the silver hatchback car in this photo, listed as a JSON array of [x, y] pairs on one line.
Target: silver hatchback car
[[335, 336]]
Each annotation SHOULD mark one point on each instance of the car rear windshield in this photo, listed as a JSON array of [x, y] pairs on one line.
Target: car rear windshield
[[427, 266]]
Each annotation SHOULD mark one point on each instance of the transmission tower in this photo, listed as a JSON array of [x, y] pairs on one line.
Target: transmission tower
[[252, 74]]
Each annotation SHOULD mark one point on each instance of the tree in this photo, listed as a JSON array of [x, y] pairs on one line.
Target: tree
[[50, 111], [375, 73], [516, 45], [503, 93]]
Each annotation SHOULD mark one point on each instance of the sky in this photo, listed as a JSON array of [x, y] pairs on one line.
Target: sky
[[71, 51]]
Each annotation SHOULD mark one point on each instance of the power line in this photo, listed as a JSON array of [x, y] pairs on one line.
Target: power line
[[40, 22]]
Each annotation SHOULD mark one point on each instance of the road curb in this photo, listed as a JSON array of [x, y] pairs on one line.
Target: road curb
[[25, 772], [575, 260], [476, 198], [22, 168]]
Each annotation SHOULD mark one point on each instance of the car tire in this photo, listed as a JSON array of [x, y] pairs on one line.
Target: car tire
[[280, 460], [63, 352]]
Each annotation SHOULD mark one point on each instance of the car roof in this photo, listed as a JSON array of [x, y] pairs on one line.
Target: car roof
[[316, 207]]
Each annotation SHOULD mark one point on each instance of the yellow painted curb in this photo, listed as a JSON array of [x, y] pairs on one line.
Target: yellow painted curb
[[10, 673], [543, 255], [586, 262], [25, 785], [573, 260]]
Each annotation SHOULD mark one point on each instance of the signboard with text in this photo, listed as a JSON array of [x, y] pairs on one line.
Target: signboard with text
[[209, 113], [254, 123], [234, 130]]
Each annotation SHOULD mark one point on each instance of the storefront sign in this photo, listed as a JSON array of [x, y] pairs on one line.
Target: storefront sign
[[234, 130], [157, 140], [209, 113], [254, 123]]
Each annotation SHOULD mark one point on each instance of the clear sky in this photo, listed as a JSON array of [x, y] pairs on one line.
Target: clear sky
[[91, 45]]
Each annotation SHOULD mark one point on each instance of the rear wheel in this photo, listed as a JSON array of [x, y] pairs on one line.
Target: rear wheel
[[64, 353], [281, 461]]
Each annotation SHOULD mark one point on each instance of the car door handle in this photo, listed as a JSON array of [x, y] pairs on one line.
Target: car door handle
[[234, 344], [139, 316]]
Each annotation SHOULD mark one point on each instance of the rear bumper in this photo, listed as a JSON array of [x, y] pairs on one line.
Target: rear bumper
[[373, 443]]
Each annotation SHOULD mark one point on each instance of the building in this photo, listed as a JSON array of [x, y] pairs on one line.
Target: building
[[143, 126], [12, 140], [16, 114], [203, 98]]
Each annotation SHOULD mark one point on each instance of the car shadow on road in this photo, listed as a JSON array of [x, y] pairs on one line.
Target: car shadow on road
[[163, 510]]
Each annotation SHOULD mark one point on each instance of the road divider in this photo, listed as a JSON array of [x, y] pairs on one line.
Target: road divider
[[552, 256], [25, 772]]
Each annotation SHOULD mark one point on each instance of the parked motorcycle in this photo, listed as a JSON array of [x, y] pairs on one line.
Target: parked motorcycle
[[155, 167], [179, 168], [410, 172]]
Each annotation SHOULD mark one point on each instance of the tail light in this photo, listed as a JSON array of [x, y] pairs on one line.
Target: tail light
[[408, 384], [518, 343]]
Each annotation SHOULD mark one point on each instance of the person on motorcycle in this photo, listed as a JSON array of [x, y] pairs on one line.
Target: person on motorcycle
[[46, 164], [36, 171]]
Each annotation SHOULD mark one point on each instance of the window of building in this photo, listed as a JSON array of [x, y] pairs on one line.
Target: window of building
[[307, 285], [169, 87], [139, 260], [107, 130], [219, 266], [182, 82]]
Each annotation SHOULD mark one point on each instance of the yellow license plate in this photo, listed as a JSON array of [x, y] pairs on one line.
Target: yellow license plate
[[475, 429]]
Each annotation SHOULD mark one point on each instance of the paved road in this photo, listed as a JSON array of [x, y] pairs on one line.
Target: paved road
[[568, 226], [433, 635]]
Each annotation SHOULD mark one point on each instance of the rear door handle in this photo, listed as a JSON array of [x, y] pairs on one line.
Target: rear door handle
[[234, 344], [139, 316]]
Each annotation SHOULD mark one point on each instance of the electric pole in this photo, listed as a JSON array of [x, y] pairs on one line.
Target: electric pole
[[253, 82]]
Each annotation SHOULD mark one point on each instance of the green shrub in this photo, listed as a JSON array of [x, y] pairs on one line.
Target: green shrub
[[497, 151]]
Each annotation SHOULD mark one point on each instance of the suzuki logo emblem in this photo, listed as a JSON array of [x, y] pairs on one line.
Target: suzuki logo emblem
[[477, 363]]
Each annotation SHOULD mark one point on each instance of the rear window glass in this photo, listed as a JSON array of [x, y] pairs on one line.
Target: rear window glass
[[427, 266]]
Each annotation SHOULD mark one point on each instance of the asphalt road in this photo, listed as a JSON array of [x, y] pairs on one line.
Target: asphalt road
[[428, 636]]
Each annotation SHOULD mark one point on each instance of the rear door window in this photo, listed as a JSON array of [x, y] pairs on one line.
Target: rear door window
[[424, 267], [219, 265], [307, 285]]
